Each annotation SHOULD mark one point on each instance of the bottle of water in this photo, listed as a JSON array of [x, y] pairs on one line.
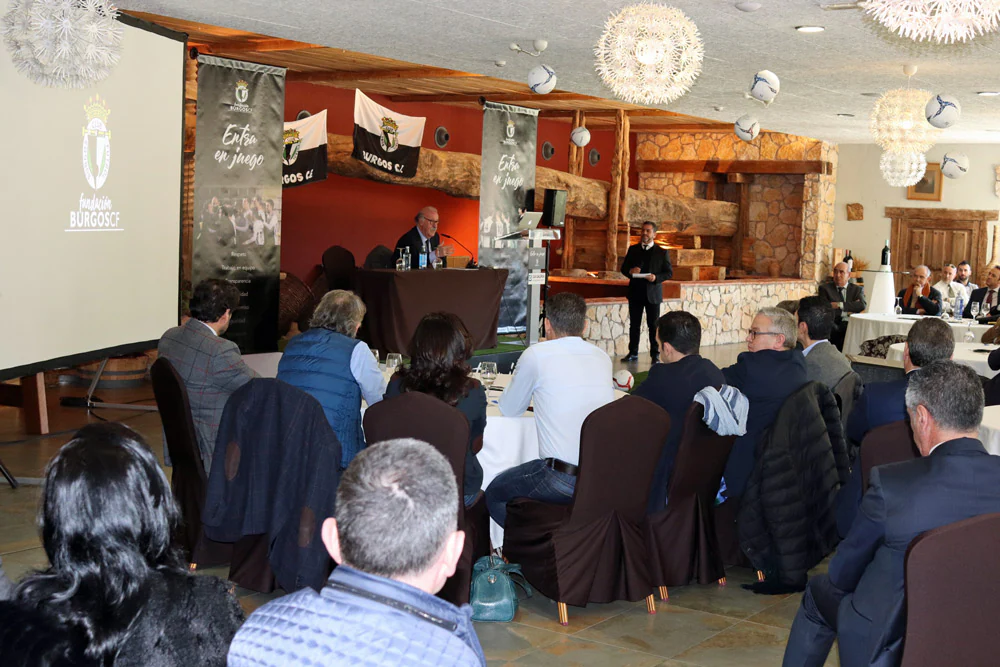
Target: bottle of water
[[959, 307], [423, 260]]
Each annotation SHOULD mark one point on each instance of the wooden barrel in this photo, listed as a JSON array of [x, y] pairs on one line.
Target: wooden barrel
[[120, 373]]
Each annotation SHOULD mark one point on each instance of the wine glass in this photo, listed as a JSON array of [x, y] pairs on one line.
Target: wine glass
[[899, 308], [376, 355], [969, 337], [488, 373], [393, 360], [974, 309]]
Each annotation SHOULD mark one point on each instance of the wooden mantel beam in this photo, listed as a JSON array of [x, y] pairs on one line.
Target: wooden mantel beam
[[378, 74], [254, 46], [735, 166], [526, 96]]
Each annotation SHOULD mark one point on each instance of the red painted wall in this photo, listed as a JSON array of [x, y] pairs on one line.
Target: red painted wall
[[360, 214]]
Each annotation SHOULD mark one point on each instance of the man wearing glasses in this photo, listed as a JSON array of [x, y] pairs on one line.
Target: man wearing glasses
[[768, 374], [423, 237]]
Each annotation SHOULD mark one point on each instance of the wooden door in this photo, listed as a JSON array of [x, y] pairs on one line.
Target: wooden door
[[935, 237]]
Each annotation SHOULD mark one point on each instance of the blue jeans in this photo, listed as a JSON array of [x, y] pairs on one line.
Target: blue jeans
[[815, 624], [534, 480]]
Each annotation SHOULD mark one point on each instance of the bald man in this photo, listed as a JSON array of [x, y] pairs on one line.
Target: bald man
[[424, 237], [920, 298], [845, 297]]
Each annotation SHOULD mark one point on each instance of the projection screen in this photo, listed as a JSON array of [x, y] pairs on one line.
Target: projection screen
[[90, 208]]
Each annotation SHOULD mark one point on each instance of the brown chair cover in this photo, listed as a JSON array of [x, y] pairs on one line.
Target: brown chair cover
[[889, 443], [594, 549], [189, 479], [683, 544], [424, 417], [953, 595], [339, 267], [295, 304]]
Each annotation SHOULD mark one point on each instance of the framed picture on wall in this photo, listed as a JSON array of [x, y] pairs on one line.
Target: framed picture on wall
[[929, 187]]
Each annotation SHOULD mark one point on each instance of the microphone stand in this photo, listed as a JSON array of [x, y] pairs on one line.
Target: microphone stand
[[472, 263]]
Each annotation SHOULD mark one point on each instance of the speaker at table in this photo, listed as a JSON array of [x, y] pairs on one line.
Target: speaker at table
[[554, 210]]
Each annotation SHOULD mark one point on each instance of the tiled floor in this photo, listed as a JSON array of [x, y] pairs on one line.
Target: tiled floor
[[708, 626]]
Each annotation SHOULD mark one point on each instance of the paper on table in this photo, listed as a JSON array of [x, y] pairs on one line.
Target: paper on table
[[640, 276]]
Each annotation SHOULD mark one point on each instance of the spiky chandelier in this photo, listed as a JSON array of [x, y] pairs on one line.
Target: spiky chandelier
[[63, 43], [902, 170], [941, 21], [649, 54], [898, 124]]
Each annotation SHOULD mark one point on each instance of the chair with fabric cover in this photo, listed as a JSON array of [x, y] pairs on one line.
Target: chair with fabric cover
[[847, 391], [889, 443], [682, 538], [424, 417], [189, 479], [953, 594], [295, 304], [379, 258], [594, 549], [879, 347], [339, 267]]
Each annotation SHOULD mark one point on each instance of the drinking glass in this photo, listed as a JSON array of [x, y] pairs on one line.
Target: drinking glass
[[377, 357], [969, 336], [487, 373], [974, 309], [393, 360], [401, 264], [438, 263], [899, 308]]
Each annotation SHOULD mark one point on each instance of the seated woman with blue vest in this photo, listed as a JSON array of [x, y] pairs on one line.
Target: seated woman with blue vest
[[439, 354], [328, 363]]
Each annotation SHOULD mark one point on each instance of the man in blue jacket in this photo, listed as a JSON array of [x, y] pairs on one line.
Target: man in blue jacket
[[395, 541], [861, 601]]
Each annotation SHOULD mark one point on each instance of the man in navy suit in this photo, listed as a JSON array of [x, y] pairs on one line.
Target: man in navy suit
[[861, 601], [929, 340], [424, 237], [672, 385], [768, 374], [988, 297]]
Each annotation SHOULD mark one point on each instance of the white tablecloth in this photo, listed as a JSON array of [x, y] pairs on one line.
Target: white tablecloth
[[964, 354], [989, 430], [865, 326], [264, 363]]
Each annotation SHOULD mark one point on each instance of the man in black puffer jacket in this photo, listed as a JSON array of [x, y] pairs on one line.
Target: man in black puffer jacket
[[787, 523]]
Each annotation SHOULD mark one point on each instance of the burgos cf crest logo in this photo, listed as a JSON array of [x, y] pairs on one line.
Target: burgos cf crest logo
[[96, 142], [390, 135], [510, 129], [292, 143], [242, 91]]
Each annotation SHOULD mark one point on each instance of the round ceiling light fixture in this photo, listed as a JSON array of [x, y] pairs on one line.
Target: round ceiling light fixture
[[901, 170], [898, 124], [941, 21], [649, 54]]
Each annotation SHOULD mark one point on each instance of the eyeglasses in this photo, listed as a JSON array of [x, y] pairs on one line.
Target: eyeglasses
[[753, 333], [431, 220]]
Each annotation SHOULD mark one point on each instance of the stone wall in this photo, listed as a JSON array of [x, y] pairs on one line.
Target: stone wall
[[776, 222], [724, 308]]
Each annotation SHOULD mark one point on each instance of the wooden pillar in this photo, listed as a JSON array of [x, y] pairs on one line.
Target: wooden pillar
[[30, 397], [619, 188], [574, 167], [187, 180], [743, 226]]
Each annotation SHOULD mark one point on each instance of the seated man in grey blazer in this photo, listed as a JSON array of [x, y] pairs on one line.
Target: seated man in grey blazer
[[210, 366], [845, 297], [824, 362]]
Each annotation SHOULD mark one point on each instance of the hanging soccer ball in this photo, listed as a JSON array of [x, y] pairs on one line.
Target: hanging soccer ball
[[542, 79], [943, 111], [765, 86], [580, 136], [955, 165], [747, 128], [623, 380]]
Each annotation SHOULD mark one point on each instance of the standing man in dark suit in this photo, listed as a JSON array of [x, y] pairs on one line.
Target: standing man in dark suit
[[672, 385], [423, 237], [210, 366], [645, 294], [845, 297], [861, 601], [988, 297]]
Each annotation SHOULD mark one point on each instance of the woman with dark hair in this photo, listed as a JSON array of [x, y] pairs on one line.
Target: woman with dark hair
[[116, 588], [439, 353]]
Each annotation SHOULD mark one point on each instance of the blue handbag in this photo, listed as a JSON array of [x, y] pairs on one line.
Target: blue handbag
[[493, 596]]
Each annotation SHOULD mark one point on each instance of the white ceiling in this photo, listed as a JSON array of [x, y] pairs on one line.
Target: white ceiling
[[821, 74]]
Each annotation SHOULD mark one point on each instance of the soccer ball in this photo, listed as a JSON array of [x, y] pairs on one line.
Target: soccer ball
[[623, 380], [943, 111], [580, 136], [765, 86], [747, 128], [954, 165], [542, 79]]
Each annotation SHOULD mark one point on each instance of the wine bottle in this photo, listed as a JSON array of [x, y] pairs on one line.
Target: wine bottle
[[885, 254], [849, 260]]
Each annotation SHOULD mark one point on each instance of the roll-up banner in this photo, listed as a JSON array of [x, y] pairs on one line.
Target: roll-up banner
[[507, 190], [237, 191], [385, 139], [304, 156]]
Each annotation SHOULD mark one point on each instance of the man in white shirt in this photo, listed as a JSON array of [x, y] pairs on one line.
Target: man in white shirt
[[964, 278], [949, 288], [568, 378]]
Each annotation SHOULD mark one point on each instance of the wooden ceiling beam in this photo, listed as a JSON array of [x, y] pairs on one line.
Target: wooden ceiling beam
[[492, 97], [253, 45], [378, 74], [735, 166]]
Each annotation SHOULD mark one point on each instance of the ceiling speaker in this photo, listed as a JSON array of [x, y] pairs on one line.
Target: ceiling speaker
[[548, 150], [593, 157], [302, 114], [441, 137]]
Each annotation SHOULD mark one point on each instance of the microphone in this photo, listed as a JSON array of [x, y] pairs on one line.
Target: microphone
[[472, 263]]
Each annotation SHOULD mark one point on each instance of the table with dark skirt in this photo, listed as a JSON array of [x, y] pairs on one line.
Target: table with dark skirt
[[397, 300]]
